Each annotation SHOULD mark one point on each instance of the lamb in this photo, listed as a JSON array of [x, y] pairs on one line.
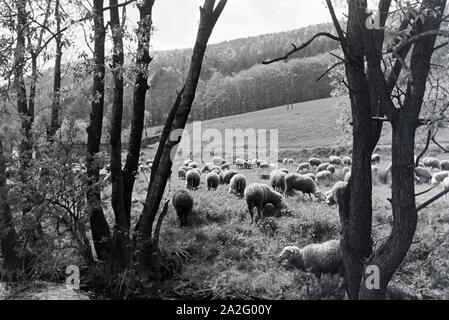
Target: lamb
[[375, 158], [444, 164], [193, 179], [297, 182], [423, 174], [212, 180], [258, 196], [237, 185], [336, 161], [347, 161], [333, 194], [315, 162], [439, 177], [433, 163], [277, 179], [318, 258], [183, 202], [226, 176], [304, 168], [324, 177], [322, 167]]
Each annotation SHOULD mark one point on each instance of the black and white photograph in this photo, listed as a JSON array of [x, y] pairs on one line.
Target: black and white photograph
[[248, 152]]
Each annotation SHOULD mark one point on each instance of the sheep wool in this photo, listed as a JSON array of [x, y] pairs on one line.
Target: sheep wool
[[237, 185], [193, 179], [183, 202], [212, 180], [258, 196]]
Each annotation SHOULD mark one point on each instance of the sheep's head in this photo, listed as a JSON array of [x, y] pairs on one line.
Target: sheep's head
[[293, 255]]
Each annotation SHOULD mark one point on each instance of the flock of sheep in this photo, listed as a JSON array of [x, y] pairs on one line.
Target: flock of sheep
[[309, 176]]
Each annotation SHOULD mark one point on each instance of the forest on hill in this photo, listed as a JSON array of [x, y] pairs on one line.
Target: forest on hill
[[233, 80]]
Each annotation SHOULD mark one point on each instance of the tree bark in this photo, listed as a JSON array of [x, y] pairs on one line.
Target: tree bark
[[140, 89], [8, 235], [99, 225], [389, 256], [56, 101], [120, 242], [208, 19]]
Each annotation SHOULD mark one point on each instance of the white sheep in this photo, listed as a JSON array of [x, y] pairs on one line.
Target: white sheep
[[239, 163], [433, 163], [311, 176], [193, 179], [218, 161], [304, 168], [375, 158], [212, 180], [322, 167], [333, 195], [277, 180], [336, 161], [317, 258], [186, 162], [296, 182], [258, 196], [183, 202], [193, 165], [209, 167], [291, 162], [315, 162], [226, 176], [324, 177], [347, 161], [237, 185], [439, 177], [347, 177], [444, 164], [423, 174]]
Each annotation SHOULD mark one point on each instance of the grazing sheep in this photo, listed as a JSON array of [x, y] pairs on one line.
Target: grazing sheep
[[315, 162], [322, 167], [444, 164], [225, 166], [186, 162], [247, 165], [317, 258], [239, 163], [345, 170], [212, 180], [423, 174], [347, 161], [193, 179], [285, 161], [347, 177], [336, 161], [324, 177], [216, 170], [183, 202], [311, 176], [254, 163], [193, 165], [297, 182], [433, 163], [375, 158], [181, 174], [265, 170], [258, 196], [277, 179], [226, 176], [439, 177], [304, 168], [331, 168], [218, 161], [291, 162], [333, 194], [237, 185], [209, 167]]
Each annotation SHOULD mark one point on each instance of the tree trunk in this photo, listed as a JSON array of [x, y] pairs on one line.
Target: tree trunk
[[120, 241], [56, 101], [156, 189], [356, 216], [8, 235], [140, 89], [99, 225]]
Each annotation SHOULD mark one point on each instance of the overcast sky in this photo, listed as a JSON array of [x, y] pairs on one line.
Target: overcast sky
[[176, 21]]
